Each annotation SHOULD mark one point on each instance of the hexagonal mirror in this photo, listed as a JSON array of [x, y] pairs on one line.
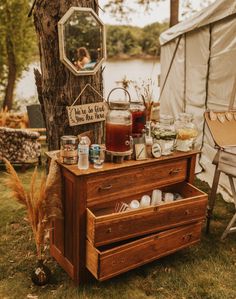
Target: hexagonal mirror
[[82, 41]]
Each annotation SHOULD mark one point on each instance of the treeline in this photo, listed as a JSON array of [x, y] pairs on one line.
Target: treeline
[[129, 41]]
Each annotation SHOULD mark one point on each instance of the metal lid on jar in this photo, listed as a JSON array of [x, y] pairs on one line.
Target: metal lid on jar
[[119, 105], [166, 118]]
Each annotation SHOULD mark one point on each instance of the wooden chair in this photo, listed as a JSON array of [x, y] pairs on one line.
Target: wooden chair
[[222, 126], [225, 163]]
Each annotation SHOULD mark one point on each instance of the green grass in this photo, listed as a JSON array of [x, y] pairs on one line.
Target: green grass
[[207, 270]]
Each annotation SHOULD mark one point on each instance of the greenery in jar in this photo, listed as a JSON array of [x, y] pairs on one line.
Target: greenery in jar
[[167, 135], [163, 134]]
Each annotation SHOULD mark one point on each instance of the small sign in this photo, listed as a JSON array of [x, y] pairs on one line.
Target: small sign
[[88, 113], [140, 151]]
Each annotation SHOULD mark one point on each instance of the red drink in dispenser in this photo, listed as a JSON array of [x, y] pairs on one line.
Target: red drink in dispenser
[[118, 137], [138, 112], [119, 126]]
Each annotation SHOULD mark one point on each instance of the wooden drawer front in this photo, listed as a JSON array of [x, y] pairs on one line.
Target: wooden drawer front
[[115, 227], [104, 264], [123, 183]]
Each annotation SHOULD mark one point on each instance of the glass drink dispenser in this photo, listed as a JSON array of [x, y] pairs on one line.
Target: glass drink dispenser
[[119, 126]]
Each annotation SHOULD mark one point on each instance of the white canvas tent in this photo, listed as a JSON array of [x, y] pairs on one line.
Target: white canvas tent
[[198, 69]]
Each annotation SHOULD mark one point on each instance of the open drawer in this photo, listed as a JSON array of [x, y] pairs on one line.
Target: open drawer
[[105, 227], [108, 262]]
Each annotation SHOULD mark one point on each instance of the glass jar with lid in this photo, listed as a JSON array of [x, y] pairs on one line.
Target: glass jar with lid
[[68, 152], [186, 132], [166, 134], [138, 111], [119, 126]]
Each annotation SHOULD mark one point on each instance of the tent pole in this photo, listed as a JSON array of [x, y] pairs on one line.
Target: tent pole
[[206, 98], [185, 72]]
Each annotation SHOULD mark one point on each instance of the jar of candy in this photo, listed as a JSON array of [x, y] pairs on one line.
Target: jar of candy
[[138, 111], [69, 153], [186, 132], [167, 134], [119, 126]]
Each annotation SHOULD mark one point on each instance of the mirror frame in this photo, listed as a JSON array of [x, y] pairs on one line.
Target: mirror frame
[[63, 57]]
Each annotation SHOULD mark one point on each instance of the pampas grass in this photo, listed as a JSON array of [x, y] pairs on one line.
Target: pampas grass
[[42, 201]]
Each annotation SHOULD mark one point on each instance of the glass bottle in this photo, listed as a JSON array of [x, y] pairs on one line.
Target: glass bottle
[[167, 134], [83, 150], [186, 132], [138, 112], [118, 126]]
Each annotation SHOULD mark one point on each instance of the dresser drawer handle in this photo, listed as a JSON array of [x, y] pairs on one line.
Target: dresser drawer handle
[[187, 237], [108, 187], [187, 212], [174, 171]]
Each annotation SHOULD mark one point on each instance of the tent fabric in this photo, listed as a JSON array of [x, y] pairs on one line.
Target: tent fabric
[[215, 12], [203, 72]]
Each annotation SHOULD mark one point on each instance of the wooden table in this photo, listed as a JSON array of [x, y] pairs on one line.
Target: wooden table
[[92, 238]]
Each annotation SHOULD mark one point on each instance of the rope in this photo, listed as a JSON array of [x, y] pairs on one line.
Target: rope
[[87, 85], [171, 62]]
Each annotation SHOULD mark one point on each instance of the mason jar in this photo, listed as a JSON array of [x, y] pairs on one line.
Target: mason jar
[[167, 134], [68, 152], [186, 132], [138, 112]]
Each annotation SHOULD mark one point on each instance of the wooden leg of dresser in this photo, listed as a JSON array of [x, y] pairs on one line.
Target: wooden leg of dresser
[[81, 275]]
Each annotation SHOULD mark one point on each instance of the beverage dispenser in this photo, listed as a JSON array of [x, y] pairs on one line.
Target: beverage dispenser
[[119, 126]]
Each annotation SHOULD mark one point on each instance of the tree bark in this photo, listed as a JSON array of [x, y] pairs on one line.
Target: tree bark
[[59, 87], [11, 77], [174, 12]]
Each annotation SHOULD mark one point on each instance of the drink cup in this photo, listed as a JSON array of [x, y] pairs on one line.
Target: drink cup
[[98, 160], [134, 204], [169, 197], [145, 201], [156, 197]]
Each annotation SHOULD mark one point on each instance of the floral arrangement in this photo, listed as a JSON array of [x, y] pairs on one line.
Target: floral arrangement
[[42, 201], [144, 90]]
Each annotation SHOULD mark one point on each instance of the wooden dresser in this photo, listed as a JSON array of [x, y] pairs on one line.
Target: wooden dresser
[[92, 239]]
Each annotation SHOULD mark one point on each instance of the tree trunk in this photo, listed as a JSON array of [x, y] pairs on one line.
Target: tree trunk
[[11, 77], [174, 12], [59, 87]]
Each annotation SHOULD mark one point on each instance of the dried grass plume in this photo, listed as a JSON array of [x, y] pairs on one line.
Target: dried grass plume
[[42, 201]]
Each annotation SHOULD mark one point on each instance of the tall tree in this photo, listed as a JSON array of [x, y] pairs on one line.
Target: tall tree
[[58, 87], [17, 45], [174, 12]]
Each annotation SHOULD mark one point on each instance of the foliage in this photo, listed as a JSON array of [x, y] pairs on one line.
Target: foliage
[[150, 38], [120, 8], [82, 30], [188, 8], [17, 30], [133, 41]]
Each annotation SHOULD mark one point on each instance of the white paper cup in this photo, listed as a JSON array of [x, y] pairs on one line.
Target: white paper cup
[[156, 197], [145, 201], [169, 197], [134, 204]]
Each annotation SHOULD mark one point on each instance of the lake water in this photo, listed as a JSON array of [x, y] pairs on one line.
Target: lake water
[[136, 70]]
